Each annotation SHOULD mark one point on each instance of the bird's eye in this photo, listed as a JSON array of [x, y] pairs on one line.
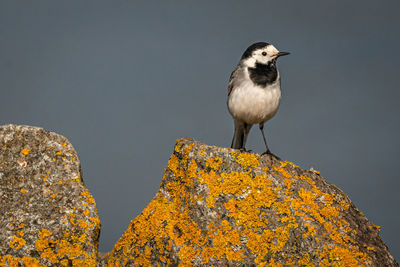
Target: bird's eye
[[264, 53]]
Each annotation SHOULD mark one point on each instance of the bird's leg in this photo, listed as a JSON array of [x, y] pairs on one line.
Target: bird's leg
[[247, 128], [267, 151]]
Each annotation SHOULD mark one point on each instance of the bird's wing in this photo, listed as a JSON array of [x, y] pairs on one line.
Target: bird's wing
[[231, 80]]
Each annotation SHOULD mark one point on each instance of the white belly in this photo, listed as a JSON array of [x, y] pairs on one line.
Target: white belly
[[253, 104]]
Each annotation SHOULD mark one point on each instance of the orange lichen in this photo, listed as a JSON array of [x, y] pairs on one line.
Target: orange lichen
[[213, 163], [282, 171], [23, 191], [247, 160], [88, 197], [25, 152], [9, 260], [53, 250], [17, 242]]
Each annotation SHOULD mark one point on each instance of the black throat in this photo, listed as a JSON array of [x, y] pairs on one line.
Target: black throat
[[263, 74]]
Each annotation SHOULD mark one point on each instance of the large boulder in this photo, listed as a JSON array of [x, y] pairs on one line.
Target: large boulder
[[48, 217], [222, 207]]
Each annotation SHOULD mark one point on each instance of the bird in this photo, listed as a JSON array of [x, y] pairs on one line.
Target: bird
[[254, 92]]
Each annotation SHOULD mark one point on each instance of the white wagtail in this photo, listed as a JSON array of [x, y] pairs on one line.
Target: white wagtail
[[254, 91]]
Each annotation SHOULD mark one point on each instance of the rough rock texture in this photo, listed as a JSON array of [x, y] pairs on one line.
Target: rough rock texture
[[48, 217], [220, 207]]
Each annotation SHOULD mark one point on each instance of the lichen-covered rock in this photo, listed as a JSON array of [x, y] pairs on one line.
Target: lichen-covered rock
[[48, 217], [219, 207]]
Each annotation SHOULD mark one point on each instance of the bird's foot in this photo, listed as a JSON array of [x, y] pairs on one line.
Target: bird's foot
[[268, 152], [244, 150]]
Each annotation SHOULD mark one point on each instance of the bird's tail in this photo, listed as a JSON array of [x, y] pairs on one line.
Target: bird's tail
[[238, 136]]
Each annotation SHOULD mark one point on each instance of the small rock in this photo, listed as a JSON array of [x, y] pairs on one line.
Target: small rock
[[48, 217]]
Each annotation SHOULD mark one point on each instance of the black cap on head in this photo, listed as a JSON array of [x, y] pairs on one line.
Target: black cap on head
[[252, 48]]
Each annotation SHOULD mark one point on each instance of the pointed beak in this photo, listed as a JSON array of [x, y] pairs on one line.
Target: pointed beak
[[281, 54]]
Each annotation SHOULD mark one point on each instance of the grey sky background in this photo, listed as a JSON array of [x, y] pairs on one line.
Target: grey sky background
[[122, 80]]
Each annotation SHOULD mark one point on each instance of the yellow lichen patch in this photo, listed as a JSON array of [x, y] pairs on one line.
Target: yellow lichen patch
[[305, 260], [178, 147], [44, 233], [23, 191], [17, 242], [344, 205], [70, 246], [173, 165], [213, 182], [86, 213], [96, 221], [311, 230], [223, 238], [233, 183], [82, 224], [88, 197], [25, 152], [377, 227], [247, 160], [340, 256], [233, 154], [282, 171], [214, 163], [9, 260]]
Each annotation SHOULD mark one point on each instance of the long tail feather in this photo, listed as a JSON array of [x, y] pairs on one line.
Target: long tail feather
[[238, 136]]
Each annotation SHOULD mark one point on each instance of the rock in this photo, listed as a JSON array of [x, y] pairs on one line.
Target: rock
[[219, 207], [215, 206], [48, 217]]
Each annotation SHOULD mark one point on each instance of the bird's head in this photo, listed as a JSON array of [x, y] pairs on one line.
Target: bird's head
[[262, 53]]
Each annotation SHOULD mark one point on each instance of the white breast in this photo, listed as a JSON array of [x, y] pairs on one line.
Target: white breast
[[254, 104]]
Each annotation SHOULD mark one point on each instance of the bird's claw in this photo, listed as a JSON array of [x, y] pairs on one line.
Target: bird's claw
[[268, 152]]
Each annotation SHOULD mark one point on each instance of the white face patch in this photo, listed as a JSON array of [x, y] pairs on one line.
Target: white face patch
[[263, 56], [271, 50]]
